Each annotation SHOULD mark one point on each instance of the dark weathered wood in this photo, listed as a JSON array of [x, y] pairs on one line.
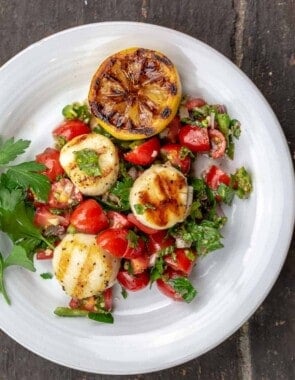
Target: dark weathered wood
[[259, 37]]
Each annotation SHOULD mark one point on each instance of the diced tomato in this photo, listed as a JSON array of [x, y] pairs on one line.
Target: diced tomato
[[178, 156], [64, 194], [218, 143], [133, 282], [69, 129], [215, 176], [118, 220], [74, 303], [182, 260], [50, 158], [173, 130], [166, 288], [145, 153], [194, 138], [159, 241], [44, 218], [89, 217], [148, 230], [195, 103], [115, 241], [44, 254], [108, 299], [139, 264]]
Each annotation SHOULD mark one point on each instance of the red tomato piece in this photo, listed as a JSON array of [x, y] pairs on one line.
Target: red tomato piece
[[118, 220], [177, 156], [133, 282], [168, 289], [159, 241], [115, 241], [44, 218], [215, 176], [145, 153], [108, 299], [173, 130], [195, 103], [89, 217], [74, 303], [44, 254], [134, 221], [218, 143], [69, 129], [64, 194], [183, 260], [50, 158], [139, 264], [195, 138]]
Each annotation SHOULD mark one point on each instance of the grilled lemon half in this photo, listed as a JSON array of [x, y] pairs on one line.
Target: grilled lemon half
[[135, 93]]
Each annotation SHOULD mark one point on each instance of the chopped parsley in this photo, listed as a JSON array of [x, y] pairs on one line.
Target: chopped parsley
[[46, 275], [77, 111], [184, 287], [241, 182], [88, 161]]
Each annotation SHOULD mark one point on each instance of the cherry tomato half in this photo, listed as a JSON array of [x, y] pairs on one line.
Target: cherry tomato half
[[108, 299], [45, 218], [218, 143], [145, 153], [64, 194], [195, 103], [194, 138], [215, 176], [134, 221], [89, 217], [133, 282], [173, 130], [166, 288], [69, 129], [115, 241], [50, 158], [159, 241], [140, 263], [182, 260], [178, 156]]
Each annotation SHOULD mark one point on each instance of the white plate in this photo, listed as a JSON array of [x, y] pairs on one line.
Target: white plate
[[150, 332]]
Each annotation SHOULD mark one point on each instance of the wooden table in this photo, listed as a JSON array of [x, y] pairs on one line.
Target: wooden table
[[259, 37]]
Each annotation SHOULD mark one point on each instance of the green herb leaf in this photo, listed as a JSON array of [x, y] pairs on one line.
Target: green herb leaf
[[121, 189], [18, 256], [132, 239], [101, 317], [46, 275], [77, 111], [185, 152], [158, 269], [124, 293], [10, 149], [226, 193], [140, 209], [235, 127], [184, 287], [2, 284], [195, 210], [26, 176], [223, 121], [88, 161], [241, 182]]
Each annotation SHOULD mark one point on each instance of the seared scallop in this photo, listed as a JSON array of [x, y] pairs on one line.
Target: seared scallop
[[92, 163], [82, 267], [159, 197]]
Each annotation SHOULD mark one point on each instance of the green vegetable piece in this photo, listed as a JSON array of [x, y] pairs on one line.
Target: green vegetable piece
[[101, 317], [226, 193], [183, 286], [88, 161], [140, 209], [77, 111], [124, 293], [235, 127], [2, 284], [68, 312], [10, 149], [241, 182], [224, 122], [26, 176], [46, 275], [121, 190], [132, 239]]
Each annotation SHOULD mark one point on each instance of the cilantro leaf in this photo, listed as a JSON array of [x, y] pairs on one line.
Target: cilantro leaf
[[77, 111], [183, 286], [10, 149], [121, 190], [18, 256], [25, 175], [132, 239], [158, 269], [88, 161], [101, 317], [124, 293]]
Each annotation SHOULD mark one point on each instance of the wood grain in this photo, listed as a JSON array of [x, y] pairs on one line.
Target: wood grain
[[259, 37]]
